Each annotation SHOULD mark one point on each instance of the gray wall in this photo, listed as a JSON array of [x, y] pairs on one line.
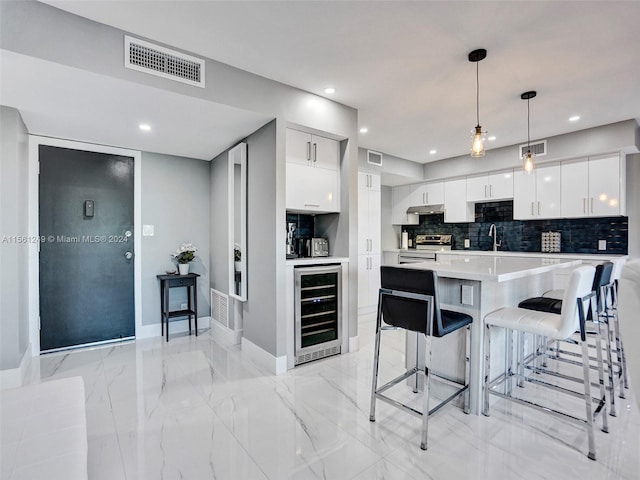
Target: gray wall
[[175, 199], [621, 136], [14, 286], [219, 228]]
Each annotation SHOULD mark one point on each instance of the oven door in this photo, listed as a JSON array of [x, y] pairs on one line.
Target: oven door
[[415, 258]]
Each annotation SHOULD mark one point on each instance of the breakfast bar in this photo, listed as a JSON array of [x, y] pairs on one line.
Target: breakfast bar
[[477, 285]]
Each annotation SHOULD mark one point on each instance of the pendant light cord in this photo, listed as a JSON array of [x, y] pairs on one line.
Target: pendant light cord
[[477, 93], [528, 123]]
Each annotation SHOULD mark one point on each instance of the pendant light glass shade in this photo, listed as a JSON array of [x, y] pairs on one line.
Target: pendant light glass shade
[[527, 158], [477, 143]]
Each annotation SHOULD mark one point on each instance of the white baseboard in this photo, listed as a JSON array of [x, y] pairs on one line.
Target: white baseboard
[[276, 365], [225, 335], [13, 377], [354, 343], [179, 326]]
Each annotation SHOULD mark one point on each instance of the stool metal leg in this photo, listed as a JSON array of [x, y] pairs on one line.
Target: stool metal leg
[[520, 359], [376, 361], [487, 359], [467, 370], [425, 395], [612, 390], [587, 398]]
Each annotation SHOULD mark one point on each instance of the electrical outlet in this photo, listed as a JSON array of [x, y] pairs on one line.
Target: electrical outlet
[[467, 295], [467, 243], [183, 306], [602, 244]]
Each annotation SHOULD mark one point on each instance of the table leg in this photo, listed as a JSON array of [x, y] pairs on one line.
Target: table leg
[[195, 305], [165, 313]]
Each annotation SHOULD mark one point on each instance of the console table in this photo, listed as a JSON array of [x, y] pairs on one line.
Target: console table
[[170, 281]]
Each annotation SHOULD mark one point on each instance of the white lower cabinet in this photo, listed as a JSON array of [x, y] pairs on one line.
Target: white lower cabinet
[[368, 282], [312, 189], [537, 195]]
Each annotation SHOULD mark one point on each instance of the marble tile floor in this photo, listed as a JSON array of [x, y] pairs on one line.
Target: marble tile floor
[[194, 409]]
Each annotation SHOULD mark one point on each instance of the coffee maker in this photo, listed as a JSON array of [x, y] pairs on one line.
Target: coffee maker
[[291, 247]]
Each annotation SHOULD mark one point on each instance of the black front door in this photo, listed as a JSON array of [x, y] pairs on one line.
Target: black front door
[[86, 232]]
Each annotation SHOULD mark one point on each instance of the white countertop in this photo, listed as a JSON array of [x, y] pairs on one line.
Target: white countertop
[[317, 260], [496, 268]]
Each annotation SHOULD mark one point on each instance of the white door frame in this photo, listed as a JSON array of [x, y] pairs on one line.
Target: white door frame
[[34, 265]]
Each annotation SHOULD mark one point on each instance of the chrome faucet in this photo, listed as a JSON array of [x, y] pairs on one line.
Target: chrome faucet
[[493, 232]]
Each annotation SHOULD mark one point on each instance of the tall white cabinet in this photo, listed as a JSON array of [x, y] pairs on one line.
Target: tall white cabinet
[[594, 187], [369, 252], [313, 173]]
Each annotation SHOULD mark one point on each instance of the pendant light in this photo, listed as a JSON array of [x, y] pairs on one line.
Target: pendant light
[[477, 144], [527, 158]]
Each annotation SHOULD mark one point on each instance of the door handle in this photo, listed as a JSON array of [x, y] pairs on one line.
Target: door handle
[[491, 191], [584, 205], [538, 208], [485, 191], [308, 151], [591, 204], [128, 255], [315, 152], [532, 209]]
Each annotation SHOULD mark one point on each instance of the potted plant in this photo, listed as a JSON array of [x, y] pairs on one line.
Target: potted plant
[[185, 254]]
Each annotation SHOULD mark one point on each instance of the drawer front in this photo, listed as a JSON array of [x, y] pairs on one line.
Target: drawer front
[[180, 282]]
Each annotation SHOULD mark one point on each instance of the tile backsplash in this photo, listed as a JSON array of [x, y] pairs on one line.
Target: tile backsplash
[[578, 235]]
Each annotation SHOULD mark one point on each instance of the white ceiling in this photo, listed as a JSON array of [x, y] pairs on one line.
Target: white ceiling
[[404, 65]]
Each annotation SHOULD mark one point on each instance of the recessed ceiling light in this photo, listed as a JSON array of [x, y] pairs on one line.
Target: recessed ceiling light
[[575, 118], [364, 130], [433, 152], [330, 90], [145, 127], [491, 138]]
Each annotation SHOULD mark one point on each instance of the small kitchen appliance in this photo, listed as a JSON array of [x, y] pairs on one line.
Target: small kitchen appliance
[[319, 247], [291, 248]]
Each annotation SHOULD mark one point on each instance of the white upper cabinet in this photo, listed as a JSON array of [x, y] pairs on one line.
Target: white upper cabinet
[[491, 186], [594, 187], [456, 207], [537, 195], [431, 193], [401, 198], [368, 181], [313, 178], [312, 150], [369, 211]]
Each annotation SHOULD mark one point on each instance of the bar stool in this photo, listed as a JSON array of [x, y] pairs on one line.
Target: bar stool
[[408, 300], [598, 312], [612, 309], [577, 298], [628, 313]]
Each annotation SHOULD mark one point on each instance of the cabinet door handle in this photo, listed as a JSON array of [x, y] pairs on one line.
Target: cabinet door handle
[[369, 181], [491, 191], [308, 151], [591, 204], [485, 191], [532, 209], [584, 205], [315, 152], [311, 205], [538, 208]]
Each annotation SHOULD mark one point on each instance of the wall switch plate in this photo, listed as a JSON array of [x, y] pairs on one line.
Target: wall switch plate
[[602, 244], [147, 230], [467, 243], [467, 295]]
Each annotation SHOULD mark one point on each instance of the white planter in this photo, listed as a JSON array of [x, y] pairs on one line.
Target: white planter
[[183, 268]]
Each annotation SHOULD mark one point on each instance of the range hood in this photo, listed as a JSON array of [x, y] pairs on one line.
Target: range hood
[[427, 209]]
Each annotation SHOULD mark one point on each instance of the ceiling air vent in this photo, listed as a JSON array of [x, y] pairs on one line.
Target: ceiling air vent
[[374, 158], [537, 148], [162, 62]]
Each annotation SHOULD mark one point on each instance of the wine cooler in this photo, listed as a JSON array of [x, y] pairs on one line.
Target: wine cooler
[[318, 312]]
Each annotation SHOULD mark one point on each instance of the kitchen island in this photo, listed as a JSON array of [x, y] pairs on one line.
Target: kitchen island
[[477, 285]]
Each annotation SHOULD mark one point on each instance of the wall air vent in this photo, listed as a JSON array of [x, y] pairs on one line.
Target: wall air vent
[[538, 148], [162, 62], [374, 158], [220, 307]]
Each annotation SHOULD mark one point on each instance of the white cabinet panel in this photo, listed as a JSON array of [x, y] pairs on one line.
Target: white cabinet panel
[[369, 181], [537, 195], [427, 194], [325, 152], [298, 146], [401, 197], [456, 207], [369, 212], [492, 186], [312, 189], [368, 281], [593, 187], [574, 179]]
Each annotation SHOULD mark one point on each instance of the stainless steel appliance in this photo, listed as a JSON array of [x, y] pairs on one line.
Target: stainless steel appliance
[[318, 312], [319, 247], [426, 248]]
